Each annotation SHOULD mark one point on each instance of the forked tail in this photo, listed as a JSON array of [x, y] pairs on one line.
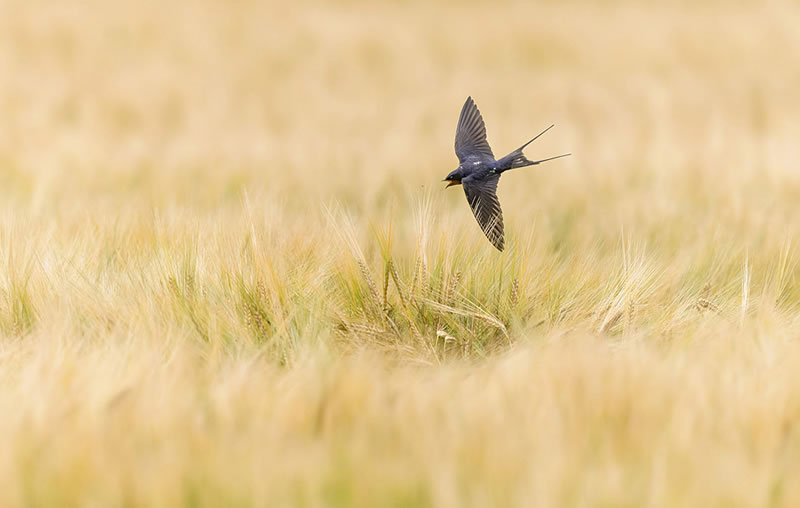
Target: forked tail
[[517, 159]]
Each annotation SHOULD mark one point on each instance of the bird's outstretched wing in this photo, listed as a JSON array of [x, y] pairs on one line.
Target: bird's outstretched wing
[[471, 133], [482, 198]]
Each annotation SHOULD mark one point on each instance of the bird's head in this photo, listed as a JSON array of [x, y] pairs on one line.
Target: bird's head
[[454, 178]]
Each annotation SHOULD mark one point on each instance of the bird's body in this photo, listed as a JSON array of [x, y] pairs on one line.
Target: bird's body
[[478, 171]]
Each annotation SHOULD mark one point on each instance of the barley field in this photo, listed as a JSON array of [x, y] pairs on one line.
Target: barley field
[[231, 275]]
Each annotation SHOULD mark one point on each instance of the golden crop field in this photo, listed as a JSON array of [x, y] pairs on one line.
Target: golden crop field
[[231, 275]]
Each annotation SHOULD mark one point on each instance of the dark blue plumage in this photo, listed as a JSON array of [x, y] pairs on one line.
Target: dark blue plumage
[[478, 171]]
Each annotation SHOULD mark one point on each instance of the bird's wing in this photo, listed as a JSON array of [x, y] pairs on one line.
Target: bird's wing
[[482, 198], [471, 133]]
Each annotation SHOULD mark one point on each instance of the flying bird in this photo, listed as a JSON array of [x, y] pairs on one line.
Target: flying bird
[[478, 171]]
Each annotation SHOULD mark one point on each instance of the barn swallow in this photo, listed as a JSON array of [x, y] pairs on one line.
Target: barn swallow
[[478, 171]]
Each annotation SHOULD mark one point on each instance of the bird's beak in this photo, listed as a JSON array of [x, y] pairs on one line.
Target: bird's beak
[[450, 183]]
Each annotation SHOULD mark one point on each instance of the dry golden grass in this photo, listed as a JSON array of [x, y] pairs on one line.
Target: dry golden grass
[[230, 276]]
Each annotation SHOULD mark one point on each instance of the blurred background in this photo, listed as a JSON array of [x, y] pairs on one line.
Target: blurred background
[[196, 206], [670, 108]]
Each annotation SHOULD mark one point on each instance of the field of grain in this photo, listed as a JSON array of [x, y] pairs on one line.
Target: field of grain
[[231, 275]]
